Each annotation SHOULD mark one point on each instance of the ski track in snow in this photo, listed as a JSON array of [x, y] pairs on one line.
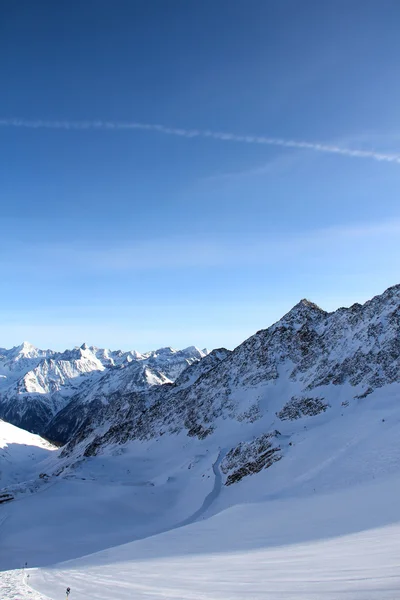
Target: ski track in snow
[[3, 520], [14, 584], [211, 497]]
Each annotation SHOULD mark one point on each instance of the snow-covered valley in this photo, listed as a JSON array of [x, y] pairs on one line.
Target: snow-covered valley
[[269, 472], [281, 549], [325, 520]]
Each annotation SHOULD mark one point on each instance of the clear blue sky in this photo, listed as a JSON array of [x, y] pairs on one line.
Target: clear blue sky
[[136, 238]]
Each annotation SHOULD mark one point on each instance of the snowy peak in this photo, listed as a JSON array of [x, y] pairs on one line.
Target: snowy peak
[[27, 350], [194, 352], [35, 384], [20, 357]]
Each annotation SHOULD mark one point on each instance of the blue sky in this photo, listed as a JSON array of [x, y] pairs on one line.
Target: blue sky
[[141, 238]]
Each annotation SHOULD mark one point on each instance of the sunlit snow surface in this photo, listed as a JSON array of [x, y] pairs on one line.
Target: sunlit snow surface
[[20, 454], [294, 549], [322, 523]]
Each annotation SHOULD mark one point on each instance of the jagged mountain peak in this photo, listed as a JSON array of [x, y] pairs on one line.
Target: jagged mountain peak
[[27, 346], [304, 311], [164, 350], [22, 356], [26, 350], [306, 303], [307, 307], [194, 351]]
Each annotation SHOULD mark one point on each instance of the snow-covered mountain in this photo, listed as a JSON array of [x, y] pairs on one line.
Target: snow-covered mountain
[[272, 470], [309, 363], [36, 384], [153, 370]]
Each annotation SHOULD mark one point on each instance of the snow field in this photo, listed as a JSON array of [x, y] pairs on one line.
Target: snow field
[[270, 550]]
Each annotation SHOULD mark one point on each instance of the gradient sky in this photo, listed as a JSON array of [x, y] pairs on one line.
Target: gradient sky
[[135, 238]]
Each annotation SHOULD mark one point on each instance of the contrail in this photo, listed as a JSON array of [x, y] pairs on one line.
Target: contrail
[[200, 133]]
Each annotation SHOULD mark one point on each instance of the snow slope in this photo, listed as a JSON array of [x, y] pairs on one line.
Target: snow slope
[[324, 518], [126, 494], [341, 545], [21, 454]]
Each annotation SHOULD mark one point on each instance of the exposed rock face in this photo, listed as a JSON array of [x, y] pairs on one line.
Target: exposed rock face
[[301, 407], [251, 457], [197, 369], [5, 497]]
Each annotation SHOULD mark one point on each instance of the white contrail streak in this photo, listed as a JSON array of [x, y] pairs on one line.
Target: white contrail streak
[[192, 133]]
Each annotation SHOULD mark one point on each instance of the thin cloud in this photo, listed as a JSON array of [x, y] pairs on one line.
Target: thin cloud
[[198, 133]]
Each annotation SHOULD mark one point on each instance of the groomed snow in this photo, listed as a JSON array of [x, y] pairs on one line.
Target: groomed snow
[[319, 548]]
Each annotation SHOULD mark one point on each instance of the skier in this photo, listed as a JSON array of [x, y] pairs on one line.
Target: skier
[[68, 592]]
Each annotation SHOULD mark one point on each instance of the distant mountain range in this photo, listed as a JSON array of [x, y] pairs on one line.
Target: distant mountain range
[[35, 385]]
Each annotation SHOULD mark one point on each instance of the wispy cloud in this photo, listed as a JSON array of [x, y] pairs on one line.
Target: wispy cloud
[[199, 133]]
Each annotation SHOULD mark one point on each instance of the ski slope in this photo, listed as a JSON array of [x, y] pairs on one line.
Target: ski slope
[[319, 547]]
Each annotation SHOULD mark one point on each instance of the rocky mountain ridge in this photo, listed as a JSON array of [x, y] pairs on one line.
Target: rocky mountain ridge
[[309, 365]]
